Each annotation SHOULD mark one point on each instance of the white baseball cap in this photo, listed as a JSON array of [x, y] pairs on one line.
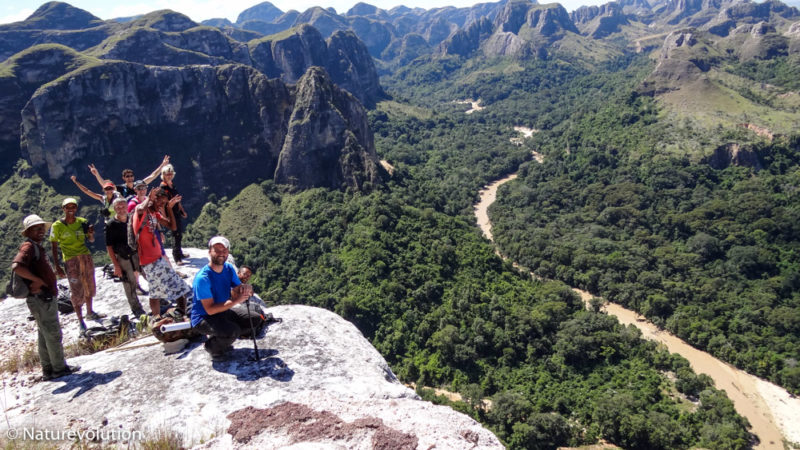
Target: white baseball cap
[[219, 240]]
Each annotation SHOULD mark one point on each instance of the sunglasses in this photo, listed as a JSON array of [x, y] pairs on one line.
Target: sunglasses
[[108, 189]]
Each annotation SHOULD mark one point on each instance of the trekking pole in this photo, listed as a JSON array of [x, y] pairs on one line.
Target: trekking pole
[[252, 328]]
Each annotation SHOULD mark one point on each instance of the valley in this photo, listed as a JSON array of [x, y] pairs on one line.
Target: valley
[[773, 417]]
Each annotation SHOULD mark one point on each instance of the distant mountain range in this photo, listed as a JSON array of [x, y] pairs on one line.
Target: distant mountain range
[[154, 81]]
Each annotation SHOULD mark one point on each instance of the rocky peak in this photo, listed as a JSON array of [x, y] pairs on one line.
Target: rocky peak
[[465, 41], [352, 68], [367, 10], [549, 20], [677, 39], [585, 14], [323, 20], [228, 124], [164, 20], [761, 28], [328, 143], [264, 11], [512, 16], [56, 16]]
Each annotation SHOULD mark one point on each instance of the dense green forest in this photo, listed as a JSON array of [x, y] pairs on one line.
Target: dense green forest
[[627, 207], [444, 310], [408, 266]]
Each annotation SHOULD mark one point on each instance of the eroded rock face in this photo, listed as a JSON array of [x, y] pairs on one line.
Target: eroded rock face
[[466, 41], [328, 142], [344, 56], [734, 155], [227, 123]]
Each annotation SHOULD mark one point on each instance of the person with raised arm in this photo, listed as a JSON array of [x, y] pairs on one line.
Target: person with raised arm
[[164, 282], [106, 198], [127, 188], [168, 185]]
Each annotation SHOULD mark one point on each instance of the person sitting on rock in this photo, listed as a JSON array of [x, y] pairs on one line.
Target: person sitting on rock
[[216, 290], [31, 264], [70, 233], [244, 273], [122, 256], [127, 188], [165, 283]]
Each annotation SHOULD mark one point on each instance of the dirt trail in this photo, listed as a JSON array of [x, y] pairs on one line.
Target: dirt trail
[[745, 390]]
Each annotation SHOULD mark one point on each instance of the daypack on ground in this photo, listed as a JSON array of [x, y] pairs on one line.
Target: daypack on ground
[[260, 318]]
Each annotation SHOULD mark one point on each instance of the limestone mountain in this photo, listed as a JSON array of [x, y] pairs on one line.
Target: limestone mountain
[[168, 38], [228, 123], [328, 142]]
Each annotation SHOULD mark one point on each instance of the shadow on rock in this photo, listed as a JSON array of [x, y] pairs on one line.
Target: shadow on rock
[[241, 363], [85, 381]]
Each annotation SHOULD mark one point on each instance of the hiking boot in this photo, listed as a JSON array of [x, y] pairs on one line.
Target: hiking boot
[[139, 313], [95, 316], [46, 376], [68, 371]]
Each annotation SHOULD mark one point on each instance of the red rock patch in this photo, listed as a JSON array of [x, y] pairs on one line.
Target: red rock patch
[[307, 425]]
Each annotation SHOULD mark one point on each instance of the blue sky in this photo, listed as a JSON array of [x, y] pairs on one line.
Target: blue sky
[[198, 10]]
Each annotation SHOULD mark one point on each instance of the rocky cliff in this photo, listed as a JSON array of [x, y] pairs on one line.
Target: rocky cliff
[[289, 54], [227, 123], [319, 384], [466, 41], [168, 38], [328, 142]]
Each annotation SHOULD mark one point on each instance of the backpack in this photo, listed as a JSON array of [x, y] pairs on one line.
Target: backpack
[[18, 287], [133, 236], [260, 318]]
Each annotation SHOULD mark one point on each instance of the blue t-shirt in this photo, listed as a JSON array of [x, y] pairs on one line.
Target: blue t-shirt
[[210, 284]]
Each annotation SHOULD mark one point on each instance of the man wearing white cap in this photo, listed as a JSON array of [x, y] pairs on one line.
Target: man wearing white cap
[[217, 289], [31, 264]]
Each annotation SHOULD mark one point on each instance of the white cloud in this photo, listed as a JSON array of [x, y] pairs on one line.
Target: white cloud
[[16, 16]]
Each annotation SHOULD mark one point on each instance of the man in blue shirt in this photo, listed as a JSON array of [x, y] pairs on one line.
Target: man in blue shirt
[[217, 289]]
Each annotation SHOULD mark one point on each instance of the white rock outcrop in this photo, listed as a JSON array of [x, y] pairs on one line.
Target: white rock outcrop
[[319, 383]]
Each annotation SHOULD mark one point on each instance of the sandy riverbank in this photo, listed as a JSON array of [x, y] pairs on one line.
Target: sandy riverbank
[[773, 413]]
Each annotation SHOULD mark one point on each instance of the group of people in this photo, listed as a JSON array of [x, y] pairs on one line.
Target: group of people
[[216, 288]]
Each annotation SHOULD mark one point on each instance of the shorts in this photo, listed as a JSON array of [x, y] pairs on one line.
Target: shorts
[[80, 274], [164, 282]]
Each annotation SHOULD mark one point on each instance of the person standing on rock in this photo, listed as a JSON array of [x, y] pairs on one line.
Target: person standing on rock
[[165, 283], [167, 178], [70, 233], [122, 256], [31, 264], [217, 289], [127, 188]]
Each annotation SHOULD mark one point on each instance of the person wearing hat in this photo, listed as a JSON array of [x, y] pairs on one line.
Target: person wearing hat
[[122, 255], [167, 179], [31, 264], [127, 188], [107, 197], [70, 233], [217, 289]]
